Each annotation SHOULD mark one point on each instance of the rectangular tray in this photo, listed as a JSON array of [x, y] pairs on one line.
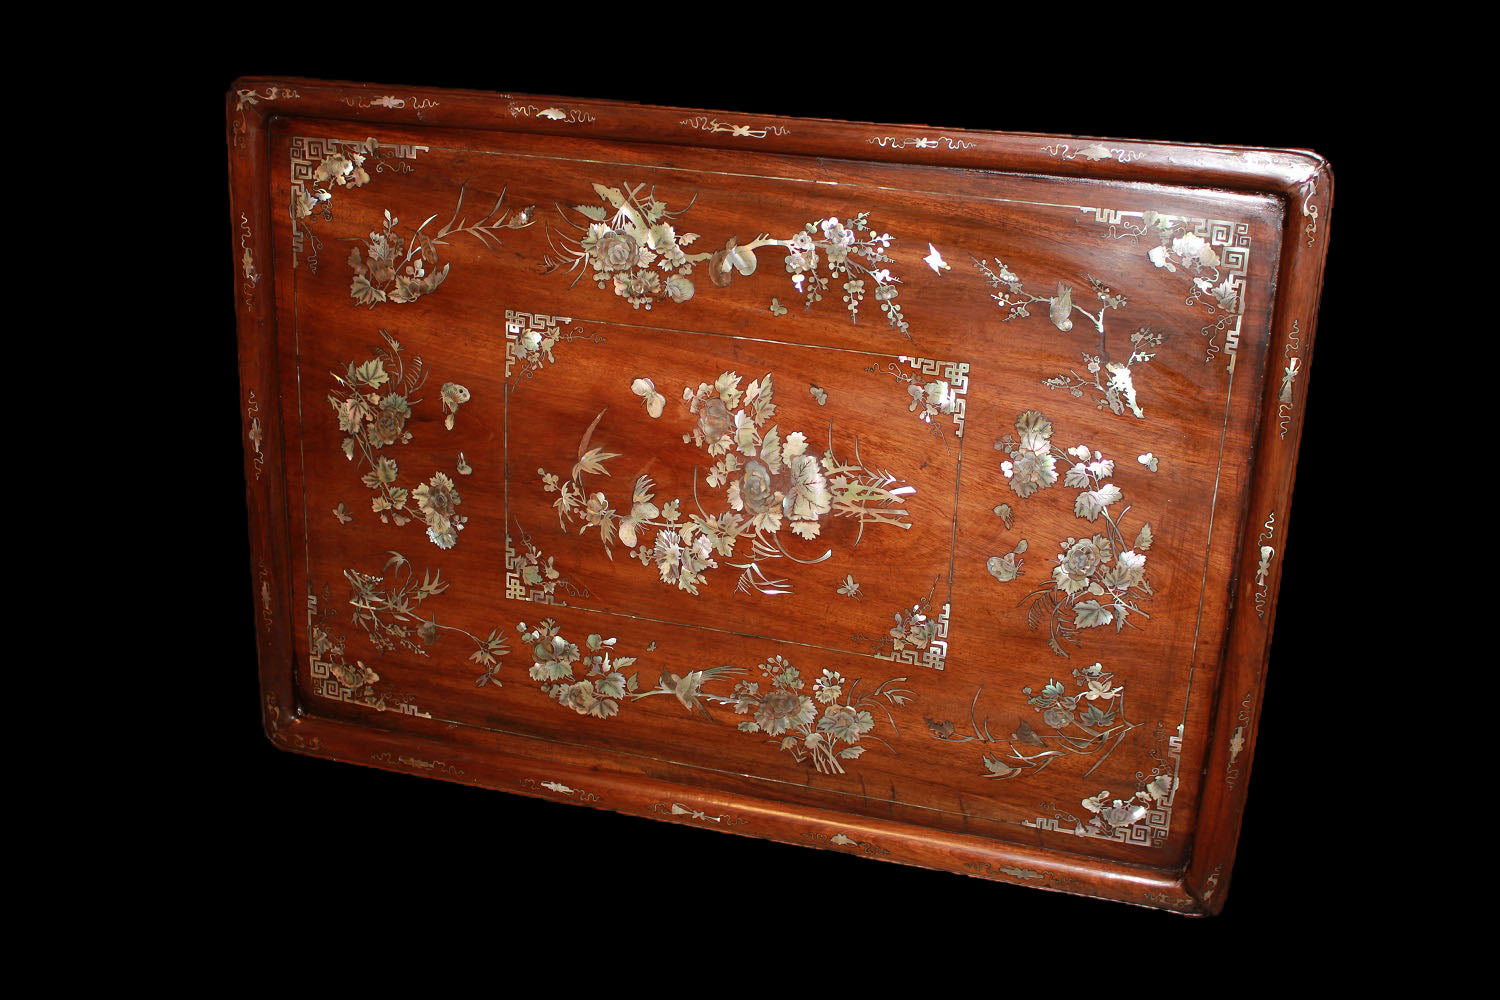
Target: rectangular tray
[[906, 492]]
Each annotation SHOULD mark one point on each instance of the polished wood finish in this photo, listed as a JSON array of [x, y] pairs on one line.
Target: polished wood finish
[[1220, 413]]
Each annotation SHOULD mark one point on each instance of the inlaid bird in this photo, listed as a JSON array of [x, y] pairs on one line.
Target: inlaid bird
[[688, 689], [1061, 310]]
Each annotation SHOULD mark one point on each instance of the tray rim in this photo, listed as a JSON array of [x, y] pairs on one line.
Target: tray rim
[[1301, 180]]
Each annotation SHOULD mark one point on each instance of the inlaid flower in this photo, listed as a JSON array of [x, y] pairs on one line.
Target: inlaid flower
[[437, 496], [1029, 471], [1083, 558], [353, 677], [579, 697], [829, 687], [835, 232], [389, 421], [754, 488], [846, 723], [714, 420], [1077, 565], [615, 250], [553, 658], [1057, 718], [679, 289], [781, 710], [638, 287]]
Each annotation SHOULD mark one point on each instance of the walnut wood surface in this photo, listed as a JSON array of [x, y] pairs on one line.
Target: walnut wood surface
[[1219, 410]]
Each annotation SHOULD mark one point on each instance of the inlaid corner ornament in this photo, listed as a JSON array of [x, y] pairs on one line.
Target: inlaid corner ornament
[[530, 339], [918, 636], [334, 677], [1140, 818], [1098, 580], [249, 98], [532, 575], [628, 242], [1213, 254], [937, 389], [772, 488], [321, 167], [1308, 191], [287, 735]]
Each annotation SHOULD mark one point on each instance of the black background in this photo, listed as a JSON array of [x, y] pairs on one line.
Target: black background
[[506, 872]]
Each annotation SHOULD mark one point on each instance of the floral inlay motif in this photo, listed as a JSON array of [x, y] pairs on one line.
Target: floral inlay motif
[[374, 406], [599, 691], [629, 243], [772, 487], [1110, 382], [388, 609], [1098, 580], [788, 709], [390, 267], [1089, 722]]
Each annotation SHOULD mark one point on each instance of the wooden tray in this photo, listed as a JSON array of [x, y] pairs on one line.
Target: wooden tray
[[898, 491]]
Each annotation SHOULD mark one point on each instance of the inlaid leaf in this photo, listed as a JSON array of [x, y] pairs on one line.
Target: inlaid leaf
[[1092, 614]]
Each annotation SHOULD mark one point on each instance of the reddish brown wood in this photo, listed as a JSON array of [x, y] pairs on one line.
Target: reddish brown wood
[[1225, 439]]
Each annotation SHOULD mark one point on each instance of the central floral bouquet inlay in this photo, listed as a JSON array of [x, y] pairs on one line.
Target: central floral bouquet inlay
[[768, 484]]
